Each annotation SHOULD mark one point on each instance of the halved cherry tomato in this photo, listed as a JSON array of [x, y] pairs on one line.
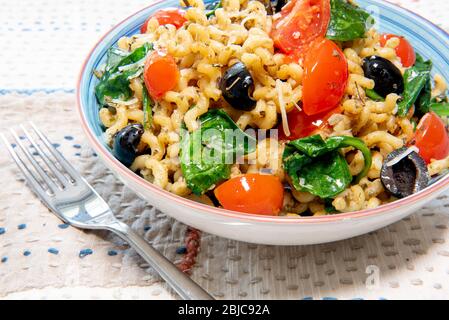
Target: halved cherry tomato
[[301, 125], [161, 74], [325, 77], [252, 193], [172, 16], [299, 23], [431, 138], [404, 50]]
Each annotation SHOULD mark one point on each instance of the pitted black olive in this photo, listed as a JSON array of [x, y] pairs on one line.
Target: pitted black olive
[[404, 173], [126, 142], [386, 75], [236, 86], [279, 5]]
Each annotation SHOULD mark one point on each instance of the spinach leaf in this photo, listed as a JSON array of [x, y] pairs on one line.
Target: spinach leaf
[[329, 207], [114, 56], [423, 102], [147, 109], [373, 95], [135, 56], [208, 153], [317, 166], [348, 22], [441, 109], [114, 87], [416, 80], [114, 84]]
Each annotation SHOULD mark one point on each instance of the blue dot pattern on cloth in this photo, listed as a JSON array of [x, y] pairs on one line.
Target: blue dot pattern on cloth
[[26, 253], [112, 253], [85, 252], [77, 146], [21, 226], [53, 251], [2, 231], [69, 138], [63, 226], [4, 259]]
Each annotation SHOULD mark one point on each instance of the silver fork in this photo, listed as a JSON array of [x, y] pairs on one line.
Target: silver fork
[[62, 189]]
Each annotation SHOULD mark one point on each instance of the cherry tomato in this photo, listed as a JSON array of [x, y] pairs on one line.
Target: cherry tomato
[[294, 57], [252, 193], [431, 138], [161, 74], [299, 23], [325, 77], [404, 50], [172, 16], [301, 125]]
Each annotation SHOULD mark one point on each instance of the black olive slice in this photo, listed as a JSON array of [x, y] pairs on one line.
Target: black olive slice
[[236, 86], [387, 77], [126, 142], [404, 173]]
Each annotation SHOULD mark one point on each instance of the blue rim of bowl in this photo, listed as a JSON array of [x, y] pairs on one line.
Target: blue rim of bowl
[[107, 156]]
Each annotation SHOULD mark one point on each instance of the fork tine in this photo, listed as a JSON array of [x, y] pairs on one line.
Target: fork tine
[[62, 179], [44, 176], [29, 175], [62, 161]]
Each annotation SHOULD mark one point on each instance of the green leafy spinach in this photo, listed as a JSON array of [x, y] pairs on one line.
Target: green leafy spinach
[[417, 87], [120, 68], [317, 166], [208, 153], [441, 109], [348, 22]]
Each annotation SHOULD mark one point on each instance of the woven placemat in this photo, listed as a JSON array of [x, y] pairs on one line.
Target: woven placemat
[[410, 259]]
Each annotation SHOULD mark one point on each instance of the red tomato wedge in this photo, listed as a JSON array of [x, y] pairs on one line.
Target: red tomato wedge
[[404, 51], [325, 77], [252, 193], [431, 138], [172, 16], [299, 23], [161, 74], [301, 125]]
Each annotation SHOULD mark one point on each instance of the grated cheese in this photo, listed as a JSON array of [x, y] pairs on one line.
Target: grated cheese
[[285, 126]]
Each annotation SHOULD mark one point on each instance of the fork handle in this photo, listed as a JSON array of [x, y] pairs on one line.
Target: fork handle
[[179, 281]]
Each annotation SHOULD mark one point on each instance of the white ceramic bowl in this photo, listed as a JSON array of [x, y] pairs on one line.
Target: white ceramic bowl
[[428, 40]]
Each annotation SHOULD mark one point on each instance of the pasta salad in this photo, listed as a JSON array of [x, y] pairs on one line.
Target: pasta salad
[[297, 108]]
